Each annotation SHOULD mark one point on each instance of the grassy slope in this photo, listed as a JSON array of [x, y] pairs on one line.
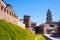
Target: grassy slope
[[10, 31], [39, 37]]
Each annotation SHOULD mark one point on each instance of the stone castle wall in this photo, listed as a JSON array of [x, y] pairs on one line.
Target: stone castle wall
[[7, 13]]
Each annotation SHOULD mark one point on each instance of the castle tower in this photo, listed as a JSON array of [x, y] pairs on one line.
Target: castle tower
[[27, 21], [49, 16]]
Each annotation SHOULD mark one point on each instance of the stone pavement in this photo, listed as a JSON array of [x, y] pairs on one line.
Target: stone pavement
[[52, 37]]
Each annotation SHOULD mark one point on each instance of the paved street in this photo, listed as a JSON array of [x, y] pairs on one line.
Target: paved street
[[53, 37]]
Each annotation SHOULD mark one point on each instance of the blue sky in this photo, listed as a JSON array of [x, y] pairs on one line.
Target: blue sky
[[37, 9]]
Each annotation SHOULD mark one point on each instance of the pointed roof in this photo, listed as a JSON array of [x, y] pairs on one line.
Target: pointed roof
[[48, 11]]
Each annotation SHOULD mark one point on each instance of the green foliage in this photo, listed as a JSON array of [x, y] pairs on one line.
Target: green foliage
[[9, 31], [40, 37]]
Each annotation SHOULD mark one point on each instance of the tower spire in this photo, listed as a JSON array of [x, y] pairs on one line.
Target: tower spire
[[49, 16]]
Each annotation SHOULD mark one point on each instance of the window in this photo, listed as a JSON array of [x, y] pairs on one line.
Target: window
[[7, 11], [51, 25], [10, 13], [4, 9], [1, 7]]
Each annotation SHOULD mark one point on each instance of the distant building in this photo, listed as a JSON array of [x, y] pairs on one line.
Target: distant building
[[49, 16], [50, 26], [37, 27], [34, 24]]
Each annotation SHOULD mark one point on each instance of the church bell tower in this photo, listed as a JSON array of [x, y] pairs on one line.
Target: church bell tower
[[49, 17]]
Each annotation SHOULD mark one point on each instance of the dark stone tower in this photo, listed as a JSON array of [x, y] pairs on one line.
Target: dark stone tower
[[27, 21], [49, 17]]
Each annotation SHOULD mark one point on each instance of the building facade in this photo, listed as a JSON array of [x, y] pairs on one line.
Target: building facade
[[7, 13]]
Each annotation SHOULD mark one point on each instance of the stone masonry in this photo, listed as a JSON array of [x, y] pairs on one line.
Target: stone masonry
[[8, 14]]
